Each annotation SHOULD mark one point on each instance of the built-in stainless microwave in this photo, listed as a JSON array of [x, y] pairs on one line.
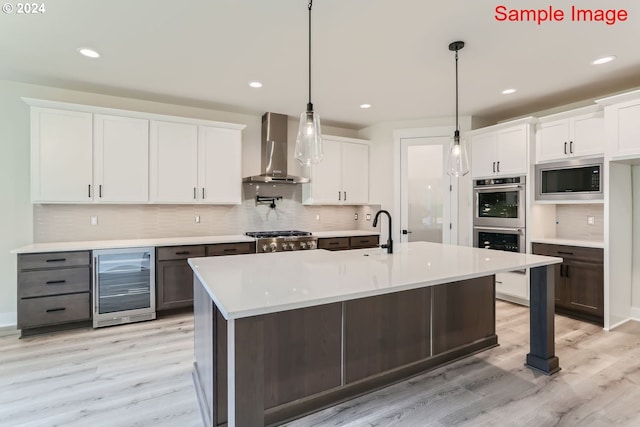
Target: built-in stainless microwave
[[570, 180]]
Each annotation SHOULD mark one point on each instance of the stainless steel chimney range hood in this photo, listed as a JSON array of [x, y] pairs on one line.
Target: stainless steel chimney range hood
[[274, 152]]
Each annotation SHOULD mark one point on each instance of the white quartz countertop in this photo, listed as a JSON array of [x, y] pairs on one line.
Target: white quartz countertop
[[569, 242], [346, 233], [130, 243], [254, 284]]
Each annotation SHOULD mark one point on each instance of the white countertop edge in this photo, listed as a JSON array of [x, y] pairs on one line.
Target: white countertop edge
[[345, 233], [233, 315], [130, 243], [569, 242]]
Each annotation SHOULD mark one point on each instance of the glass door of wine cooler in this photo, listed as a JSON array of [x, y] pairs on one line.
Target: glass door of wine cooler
[[124, 286]]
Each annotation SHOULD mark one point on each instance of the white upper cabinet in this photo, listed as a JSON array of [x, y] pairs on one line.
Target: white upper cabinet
[[174, 162], [622, 125], [576, 133], [501, 150], [61, 156], [195, 164], [81, 154], [342, 177], [121, 159], [219, 165]]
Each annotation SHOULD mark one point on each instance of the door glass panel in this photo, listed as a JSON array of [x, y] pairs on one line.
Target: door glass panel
[[425, 182], [500, 241], [124, 282], [498, 204]]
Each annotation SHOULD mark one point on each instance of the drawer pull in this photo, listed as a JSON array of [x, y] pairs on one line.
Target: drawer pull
[[57, 260], [182, 253], [230, 249], [51, 310], [56, 282], [334, 243], [565, 253]]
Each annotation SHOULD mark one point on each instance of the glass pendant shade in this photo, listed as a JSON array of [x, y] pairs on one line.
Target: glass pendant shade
[[308, 149], [457, 158]]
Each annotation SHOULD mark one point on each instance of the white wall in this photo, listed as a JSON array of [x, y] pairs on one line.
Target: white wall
[[16, 219], [635, 286]]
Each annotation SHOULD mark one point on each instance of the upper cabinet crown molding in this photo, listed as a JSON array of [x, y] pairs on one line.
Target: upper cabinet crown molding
[[529, 120], [33, 102]]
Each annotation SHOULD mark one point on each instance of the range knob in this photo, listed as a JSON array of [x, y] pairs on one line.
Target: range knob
[[284, 246], [312, 244], [292, 245], [273, 247], [264, 248], [303, 245]]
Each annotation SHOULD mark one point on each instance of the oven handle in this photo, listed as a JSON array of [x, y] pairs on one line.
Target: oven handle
[[498, 187], [518, 229]]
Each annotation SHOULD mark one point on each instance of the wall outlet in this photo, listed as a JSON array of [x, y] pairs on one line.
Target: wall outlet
[[591, 220], [368, 217], [355, 216], [317, 217], [94, 220], [197, 219]]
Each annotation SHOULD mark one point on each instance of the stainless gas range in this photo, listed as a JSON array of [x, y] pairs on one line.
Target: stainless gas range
[[281, 241]]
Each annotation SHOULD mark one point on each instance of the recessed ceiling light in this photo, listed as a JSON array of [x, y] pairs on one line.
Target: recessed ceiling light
[[89, 53], [603, 60], [508, 91], [365, 106], [255, 84]]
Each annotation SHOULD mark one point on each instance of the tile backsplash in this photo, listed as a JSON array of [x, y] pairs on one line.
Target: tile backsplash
[[571, 222], [60, 223]]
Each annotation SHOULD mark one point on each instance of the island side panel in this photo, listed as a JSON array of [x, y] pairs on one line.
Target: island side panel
[[203, 339], [386, 332], [302, 353], [463, 313], [542, 328]]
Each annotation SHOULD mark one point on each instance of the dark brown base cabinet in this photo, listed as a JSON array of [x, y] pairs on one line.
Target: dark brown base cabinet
[[53, 289], [318, 356], [174, 276], [345, 243], [579, 280]]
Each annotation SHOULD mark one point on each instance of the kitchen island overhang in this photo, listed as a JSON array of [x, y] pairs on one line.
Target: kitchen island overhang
[[359, 320]]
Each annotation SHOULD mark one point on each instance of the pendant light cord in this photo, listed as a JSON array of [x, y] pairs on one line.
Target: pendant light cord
[[457, 126], [310, 105]]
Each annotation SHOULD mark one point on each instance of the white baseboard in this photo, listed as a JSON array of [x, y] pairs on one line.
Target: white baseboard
[[8, 323], [635, 313]]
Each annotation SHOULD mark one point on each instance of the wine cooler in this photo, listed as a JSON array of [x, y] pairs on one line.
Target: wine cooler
[[123, 286]]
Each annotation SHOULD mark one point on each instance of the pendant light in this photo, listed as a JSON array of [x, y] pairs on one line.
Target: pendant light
[[309, 140], [458, 159]]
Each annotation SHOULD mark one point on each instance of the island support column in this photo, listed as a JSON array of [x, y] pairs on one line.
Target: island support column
[[245, 375], [541, 327]]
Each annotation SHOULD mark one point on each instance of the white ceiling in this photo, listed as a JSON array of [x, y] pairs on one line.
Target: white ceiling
[[391, 54]]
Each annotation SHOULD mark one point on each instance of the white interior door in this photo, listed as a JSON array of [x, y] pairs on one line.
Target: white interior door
[[428, 194]]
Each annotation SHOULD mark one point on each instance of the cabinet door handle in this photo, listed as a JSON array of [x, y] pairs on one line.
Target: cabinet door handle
[[194, 193], [89, 191], [571, 147], [202, 193], [494, 167], [51, 310], [56, 260], [345, 196], [565, 147], [100, 191], [55, 282], [498, 167], [339, 195]]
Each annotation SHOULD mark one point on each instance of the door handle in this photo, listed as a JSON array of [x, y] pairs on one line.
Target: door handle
[[494, 167], [565, 147], [345, 196], [406, 232], [498, 166], [571, 147]]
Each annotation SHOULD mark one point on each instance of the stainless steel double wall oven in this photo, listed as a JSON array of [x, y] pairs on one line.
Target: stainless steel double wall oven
[[499, 206]]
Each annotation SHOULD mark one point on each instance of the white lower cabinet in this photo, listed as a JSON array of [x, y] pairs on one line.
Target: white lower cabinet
[[512, 286], [342, 178]]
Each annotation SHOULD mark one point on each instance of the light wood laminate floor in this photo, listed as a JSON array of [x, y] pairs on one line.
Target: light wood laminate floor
[[140, 375]]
